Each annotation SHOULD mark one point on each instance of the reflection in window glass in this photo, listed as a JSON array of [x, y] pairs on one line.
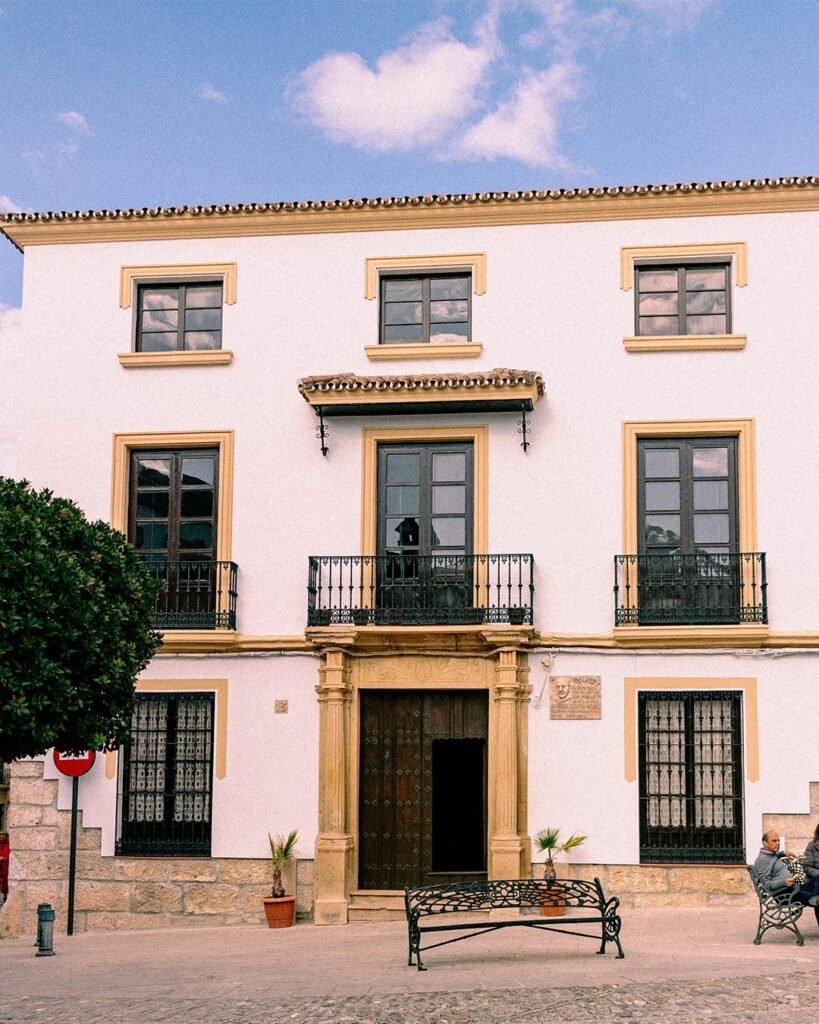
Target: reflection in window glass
[[179, 317], [662, 462], [710, 461], [153, 473], [197, 471], [710, 494], [662, 496], [449, 498], [449, 466], [403, 467], [687, 299], [425, 308], [711, 528]]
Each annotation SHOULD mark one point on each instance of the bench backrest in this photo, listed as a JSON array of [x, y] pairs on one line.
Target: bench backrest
[[766, 897], [497, 894]]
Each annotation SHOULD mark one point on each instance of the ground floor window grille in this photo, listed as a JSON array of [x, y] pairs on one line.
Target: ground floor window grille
[[691, 778], [166, 778]]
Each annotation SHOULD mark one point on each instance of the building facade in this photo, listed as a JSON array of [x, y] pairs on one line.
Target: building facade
[[473, 515]]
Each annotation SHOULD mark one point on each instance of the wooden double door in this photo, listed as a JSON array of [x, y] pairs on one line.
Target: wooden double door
[[422, 787]]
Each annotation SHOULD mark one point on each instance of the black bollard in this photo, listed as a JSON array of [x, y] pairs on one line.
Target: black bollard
[[45, 930]]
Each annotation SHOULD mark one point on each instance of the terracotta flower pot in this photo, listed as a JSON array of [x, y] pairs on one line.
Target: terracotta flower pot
[[554, 905], [280, 911]]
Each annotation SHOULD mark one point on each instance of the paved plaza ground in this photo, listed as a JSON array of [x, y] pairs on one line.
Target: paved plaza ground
[[680, 965]]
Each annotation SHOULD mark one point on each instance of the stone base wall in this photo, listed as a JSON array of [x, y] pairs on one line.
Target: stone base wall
[[120, 892], [659, 885]]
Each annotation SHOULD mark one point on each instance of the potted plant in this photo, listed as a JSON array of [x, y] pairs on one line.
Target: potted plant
[[548, 841], [280, 910], [517, 615]]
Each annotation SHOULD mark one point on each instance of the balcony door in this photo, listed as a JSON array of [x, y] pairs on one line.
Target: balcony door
[[172, 524], [687, 532], [425, 526]]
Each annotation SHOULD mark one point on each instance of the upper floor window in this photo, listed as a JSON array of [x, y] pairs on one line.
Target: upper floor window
[[425, 308], [179, 317], [682, 299]]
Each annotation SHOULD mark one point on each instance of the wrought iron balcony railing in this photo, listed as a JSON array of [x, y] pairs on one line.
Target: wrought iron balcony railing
[[420, 590], [194, 595], [682, 590]]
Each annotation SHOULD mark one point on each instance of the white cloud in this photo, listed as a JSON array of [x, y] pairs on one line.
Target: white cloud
[[8, 206], [412, 98], [498, 96], [209, 92], [524, 128], [75, 121]]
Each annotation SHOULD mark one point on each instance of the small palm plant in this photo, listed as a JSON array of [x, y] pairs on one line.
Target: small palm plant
[[281, 851], [548, 842]]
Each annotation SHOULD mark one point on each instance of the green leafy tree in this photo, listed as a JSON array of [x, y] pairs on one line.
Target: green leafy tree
[[76, 612]]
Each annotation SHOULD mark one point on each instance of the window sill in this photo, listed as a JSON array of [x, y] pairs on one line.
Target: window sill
[[206, 357], [690, 636], [448, 350], [685, 343]]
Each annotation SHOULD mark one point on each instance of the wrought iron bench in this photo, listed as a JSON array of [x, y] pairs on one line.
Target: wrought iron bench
[[429, 901], [778, 909]]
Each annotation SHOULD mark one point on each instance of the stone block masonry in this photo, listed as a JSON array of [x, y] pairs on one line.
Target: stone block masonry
[[114, 893]]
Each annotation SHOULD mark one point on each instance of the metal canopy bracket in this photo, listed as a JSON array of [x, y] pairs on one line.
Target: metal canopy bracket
[[322, 433], [523, 428]]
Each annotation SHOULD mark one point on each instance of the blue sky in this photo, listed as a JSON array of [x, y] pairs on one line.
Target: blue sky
[[126, 104]]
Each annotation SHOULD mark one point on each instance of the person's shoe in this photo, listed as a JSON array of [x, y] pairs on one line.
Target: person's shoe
[[813, 901]]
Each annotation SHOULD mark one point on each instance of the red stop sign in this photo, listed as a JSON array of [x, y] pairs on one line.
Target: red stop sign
[[74, 764]]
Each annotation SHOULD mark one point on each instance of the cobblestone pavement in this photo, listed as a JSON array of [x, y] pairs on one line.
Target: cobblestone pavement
[[794, 997], [680, 965]]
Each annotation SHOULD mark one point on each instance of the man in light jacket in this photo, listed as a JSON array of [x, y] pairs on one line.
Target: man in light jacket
[[776, 875]]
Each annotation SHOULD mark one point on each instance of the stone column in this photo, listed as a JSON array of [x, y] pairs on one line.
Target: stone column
[[505, 845], [334, 841]]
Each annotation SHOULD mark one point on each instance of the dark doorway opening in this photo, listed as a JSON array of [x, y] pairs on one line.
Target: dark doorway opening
[[458, 805]]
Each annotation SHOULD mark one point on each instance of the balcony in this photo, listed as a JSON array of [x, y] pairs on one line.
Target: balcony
[[420, 590], [688, 590], [194, 595]]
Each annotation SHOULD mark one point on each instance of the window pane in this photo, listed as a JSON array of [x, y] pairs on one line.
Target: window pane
[[403, 500], [160, 319], [662, 529], [199, 340], [662, 462], [443, 333], [710, 462], [197, 503], [657, 280], [201, 295], [711, 528], [449, 288], [451, 466], [659, 325], [153, 536], [153, 472], [445, 312], [203, 319], [394, 335], [448, 532], [160, 298], [657, 303], [707, 325], [708, 277], [449, 498], [197, 471], [663, 497], [705, 302], [403, 467], [402, 533], [196, 535], [402, 313], [402, 289], [710, 494], [152, 505], [157, 342]]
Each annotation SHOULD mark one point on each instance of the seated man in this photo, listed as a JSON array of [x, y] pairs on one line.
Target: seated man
[[775, 874]]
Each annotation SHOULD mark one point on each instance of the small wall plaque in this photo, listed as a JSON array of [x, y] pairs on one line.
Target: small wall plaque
[[280, 707], [574, 697]]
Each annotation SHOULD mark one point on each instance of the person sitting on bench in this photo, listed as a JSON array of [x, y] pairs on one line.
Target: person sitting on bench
[[776, 875]]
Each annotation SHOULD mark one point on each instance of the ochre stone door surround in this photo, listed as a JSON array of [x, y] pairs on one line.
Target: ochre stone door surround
[[490, 659]]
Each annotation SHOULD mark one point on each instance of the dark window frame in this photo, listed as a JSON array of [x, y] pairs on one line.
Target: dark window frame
[[425, 277], [690, 842], [175, 830], [682, 267], [182, 308]]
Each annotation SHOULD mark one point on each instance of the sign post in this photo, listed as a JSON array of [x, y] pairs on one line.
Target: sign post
[[73, 765]]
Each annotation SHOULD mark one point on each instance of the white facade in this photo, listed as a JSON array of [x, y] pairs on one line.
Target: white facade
[[553, 304]]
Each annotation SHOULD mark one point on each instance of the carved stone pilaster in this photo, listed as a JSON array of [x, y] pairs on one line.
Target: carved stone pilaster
[[334, 840], [505, 845]]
